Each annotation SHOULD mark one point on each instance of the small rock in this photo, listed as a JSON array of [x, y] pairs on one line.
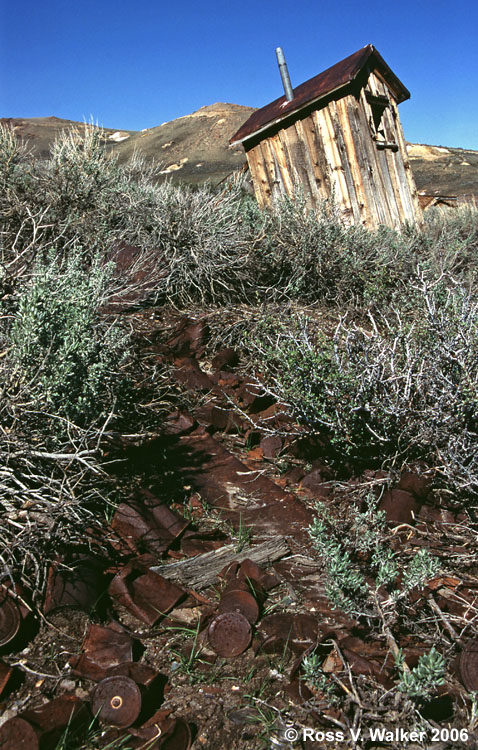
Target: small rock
[[82, 693], [271, 446], [67, 685], [399, 506], [9, 713]]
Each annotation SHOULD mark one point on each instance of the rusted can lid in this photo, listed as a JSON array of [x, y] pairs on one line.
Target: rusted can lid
[[242, 602], [18, 734], [469, 666], [179, 738], [10, 619], [229, 634], [116, 701]]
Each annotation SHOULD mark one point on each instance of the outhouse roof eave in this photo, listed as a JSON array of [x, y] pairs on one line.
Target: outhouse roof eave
[[288, 115], [321, 86]]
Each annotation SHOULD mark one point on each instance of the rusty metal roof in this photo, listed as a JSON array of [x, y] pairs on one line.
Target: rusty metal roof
[[323, 84]]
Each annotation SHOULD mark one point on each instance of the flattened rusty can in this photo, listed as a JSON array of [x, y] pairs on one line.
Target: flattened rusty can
[[18, 734], [240, 601], [116, 701], [229, 634], [103, 647]]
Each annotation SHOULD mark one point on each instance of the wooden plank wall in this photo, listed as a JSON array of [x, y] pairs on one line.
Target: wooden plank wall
[[331, 152], [395, 166]]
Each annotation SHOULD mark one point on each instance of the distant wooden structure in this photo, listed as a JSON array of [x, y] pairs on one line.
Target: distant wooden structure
[[428, 200], [340, 135]]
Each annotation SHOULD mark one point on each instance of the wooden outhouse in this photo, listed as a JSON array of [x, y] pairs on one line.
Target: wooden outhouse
[[338, 135]]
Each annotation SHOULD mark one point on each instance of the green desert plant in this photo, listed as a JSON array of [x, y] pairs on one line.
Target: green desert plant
[[423, 566], [346, 586], [62, 383], [403, 387], [314, 675], [202, 246], [308, 254], [358, 559], [61, 357], [422, 680]]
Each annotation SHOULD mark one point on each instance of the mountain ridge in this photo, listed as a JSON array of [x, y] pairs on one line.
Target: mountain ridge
[[194, 148]]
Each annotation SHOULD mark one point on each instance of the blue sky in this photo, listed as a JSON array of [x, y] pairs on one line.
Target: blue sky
[[137, 64]]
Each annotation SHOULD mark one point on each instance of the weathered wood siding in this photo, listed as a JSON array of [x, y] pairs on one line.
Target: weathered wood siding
[[331, 151]]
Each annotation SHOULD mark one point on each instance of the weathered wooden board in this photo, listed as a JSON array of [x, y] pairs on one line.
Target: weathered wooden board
[[201, 571], [323, 123], [317, 154], [416, 214], [285, 165], [259, 176], [343, 110], [346, 157]]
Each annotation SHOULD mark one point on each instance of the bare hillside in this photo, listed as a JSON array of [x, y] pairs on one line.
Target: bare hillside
[[41, 132], [193, 148]]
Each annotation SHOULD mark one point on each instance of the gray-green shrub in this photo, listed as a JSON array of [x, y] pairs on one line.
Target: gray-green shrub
[[310, 255], [60, 356], [404, 387], [211, 246]]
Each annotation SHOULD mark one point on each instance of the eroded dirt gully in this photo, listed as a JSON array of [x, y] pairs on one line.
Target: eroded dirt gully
[[193, 632]]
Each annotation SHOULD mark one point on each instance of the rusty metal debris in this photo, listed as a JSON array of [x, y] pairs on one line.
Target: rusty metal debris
[[271, 446], [10, 619], [298, 691], [178, 423], [197, 543], [468, 666], [140, 673], [400, 506], [229, 634], [244, 591], [215, 418], [190, 375], [116, 701], [253, 499], [103, 648], [5, 674], [177, 737], [78, 585], [363, 659], [162, 732], [418, 484], [225, 359], [237, 600], [256, 576], [146, 523], [13, 610], [127, 691], [188, 339], [297, 632], [148, 596], [18, 734], [50, 719]]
